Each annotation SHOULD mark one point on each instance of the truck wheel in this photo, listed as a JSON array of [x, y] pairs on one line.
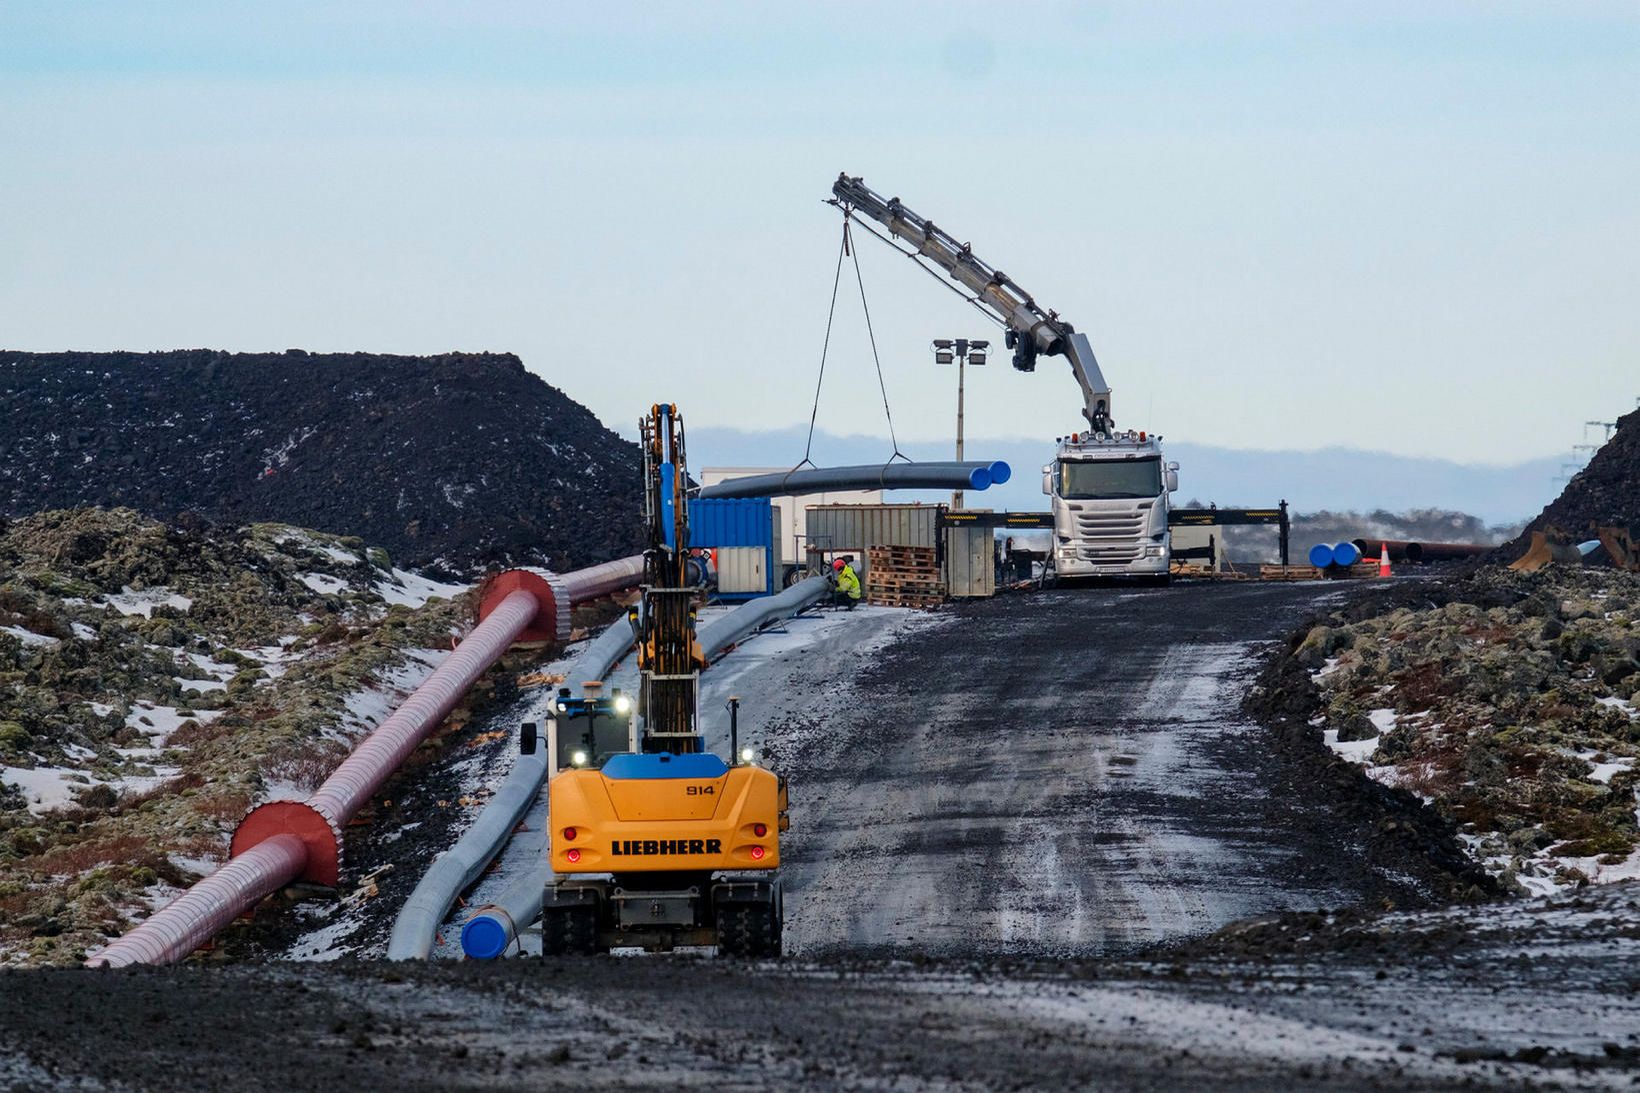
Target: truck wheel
[[748, 930], [569, 931]]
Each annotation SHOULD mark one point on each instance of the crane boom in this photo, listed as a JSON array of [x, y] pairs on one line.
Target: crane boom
[[1031, 330]]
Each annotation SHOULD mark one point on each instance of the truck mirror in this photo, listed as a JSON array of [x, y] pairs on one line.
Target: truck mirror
[[1172, 466], [1047, 482], [1172, 480], [526, 739]]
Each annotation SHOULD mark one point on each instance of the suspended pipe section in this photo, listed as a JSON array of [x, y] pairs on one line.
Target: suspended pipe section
[[946, 475]]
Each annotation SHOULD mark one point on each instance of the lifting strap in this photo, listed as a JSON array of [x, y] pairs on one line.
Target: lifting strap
[[846, 248]]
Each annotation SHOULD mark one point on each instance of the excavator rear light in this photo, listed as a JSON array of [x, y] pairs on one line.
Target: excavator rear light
[[757, 853], [569, 834], [572, 855], [760, 830]]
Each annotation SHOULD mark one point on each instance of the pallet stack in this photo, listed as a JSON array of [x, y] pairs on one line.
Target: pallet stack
[[902, 576], [1311, 573]]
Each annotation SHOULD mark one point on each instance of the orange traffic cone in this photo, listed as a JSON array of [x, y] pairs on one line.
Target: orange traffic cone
[[1383, 560]]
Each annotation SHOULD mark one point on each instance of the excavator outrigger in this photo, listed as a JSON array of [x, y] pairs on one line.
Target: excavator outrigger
[[667, 844]]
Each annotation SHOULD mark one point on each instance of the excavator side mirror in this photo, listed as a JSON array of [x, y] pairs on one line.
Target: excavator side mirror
[[526, 739]]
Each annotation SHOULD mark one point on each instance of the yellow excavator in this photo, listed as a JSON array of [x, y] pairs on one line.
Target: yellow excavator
[[666, 844]]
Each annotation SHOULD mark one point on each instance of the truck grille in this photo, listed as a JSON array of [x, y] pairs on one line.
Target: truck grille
[[1111, 525], [1112, 553]]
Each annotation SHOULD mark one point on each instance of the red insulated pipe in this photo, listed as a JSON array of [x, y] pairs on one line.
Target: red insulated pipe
[[196, 916], [381, 753], [283, 841]]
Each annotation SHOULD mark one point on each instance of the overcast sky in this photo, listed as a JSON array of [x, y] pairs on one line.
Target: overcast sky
[[1412, 227]]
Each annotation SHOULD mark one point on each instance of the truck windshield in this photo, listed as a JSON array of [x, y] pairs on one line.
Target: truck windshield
[[1127, 478]]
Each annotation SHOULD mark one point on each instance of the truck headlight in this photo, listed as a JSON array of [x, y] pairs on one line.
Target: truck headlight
[[1153, 552]]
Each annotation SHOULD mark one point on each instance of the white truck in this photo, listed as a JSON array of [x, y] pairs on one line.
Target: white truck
[[1110, 504], [1109, 489]]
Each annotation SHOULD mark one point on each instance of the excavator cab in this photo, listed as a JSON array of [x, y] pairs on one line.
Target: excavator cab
[[585, 731]]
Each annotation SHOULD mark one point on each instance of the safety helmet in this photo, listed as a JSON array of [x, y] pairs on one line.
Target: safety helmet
[[837, 564]]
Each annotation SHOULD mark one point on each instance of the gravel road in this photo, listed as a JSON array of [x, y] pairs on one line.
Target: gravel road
[[1066, 772]]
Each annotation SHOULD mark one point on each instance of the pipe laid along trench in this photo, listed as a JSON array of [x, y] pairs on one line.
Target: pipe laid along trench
[[281, 842]]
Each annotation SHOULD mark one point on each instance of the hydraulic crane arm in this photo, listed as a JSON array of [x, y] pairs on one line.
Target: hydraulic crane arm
[[1031, 330]]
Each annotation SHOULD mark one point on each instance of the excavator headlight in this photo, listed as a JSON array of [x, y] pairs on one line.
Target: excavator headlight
[[579, 758], [623, 704], [747, 755]]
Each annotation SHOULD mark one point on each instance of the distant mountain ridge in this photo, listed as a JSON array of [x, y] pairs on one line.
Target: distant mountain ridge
[[1335, 479], [455, 461]]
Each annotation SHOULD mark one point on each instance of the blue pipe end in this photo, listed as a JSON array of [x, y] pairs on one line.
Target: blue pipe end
[[1000, 473], [1321, 555], [979, 478], [1346, 554], [485, 937]]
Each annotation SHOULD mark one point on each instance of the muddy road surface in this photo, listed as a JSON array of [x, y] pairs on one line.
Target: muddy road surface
[[1071, 773], [1538, 995]]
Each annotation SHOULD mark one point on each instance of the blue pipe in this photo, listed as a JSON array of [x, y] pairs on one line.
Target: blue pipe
[[1346, 554], [1321, 555]]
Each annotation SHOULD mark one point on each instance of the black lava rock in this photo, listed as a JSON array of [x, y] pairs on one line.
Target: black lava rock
[[453, 462]]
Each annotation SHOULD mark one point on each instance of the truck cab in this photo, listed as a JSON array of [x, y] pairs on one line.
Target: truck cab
[[1110, 504]]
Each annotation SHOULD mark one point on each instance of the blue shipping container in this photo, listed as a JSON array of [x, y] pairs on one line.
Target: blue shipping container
[[736, 528], [731, 521]]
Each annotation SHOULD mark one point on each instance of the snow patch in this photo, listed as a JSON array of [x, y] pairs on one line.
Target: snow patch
[[408, 589], [323, 583], [127, 602], [30, 638]]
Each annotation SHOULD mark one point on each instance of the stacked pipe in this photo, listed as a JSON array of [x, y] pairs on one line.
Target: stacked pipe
[[942, 475], [491, 930], [285, 841], [1343, 555], [1402, 550], [456, 868]]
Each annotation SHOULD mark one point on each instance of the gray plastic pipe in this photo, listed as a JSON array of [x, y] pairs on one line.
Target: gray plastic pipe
[[491, 930], [720, 633], [458, 867], [886, 476], [282, 841]]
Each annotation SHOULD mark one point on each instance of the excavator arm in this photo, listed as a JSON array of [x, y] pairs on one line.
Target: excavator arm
[[1031, 330]]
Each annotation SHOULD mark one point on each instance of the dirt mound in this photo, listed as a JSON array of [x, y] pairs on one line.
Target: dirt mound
[[1606, 493], [452, 462]]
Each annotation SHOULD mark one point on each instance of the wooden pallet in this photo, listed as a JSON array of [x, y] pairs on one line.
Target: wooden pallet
[[1288, 573], [896, 556], [903, 576], [904, 599], [919, 581]]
